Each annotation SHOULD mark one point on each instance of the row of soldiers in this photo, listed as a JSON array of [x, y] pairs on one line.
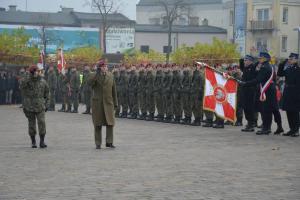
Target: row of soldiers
[[172, 91]]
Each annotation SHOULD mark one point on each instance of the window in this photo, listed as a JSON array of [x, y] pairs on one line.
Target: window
[[145, 48], [154, 21], [165, 50], [194, 21], [231, 20], [285, 15], [165, 20], [263, 14], [284, 44], [182, 21], [262, 44]]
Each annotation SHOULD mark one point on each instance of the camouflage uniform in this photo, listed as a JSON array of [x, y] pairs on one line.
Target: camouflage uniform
[[185, 96], [176, 88], [35, 92], [158, 94], [150, 94], [142, 94], [75, 87], [123, 85], [52, 83], [117, 78], [197, 87], [133, 95], [87, 90], [167, 96]]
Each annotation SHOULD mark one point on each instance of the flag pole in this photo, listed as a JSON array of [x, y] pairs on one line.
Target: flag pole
[[219, 72]]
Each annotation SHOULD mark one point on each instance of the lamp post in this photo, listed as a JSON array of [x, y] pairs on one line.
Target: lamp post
[[298, 31]]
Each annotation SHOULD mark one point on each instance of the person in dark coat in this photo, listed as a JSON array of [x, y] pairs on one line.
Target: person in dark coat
[[268, 98], [248, 94], [291, 94]]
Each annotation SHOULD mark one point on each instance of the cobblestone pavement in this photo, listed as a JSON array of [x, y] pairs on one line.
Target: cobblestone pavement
[[151, 161]]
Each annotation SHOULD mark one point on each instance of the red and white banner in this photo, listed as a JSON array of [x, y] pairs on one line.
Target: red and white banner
[[61, 63], [220, 94], [40, 64]]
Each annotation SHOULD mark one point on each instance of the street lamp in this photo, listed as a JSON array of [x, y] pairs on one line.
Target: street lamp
[[298, 30]]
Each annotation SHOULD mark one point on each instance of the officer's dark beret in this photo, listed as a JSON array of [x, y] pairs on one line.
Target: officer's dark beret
[[294, 56], [264, 55], [249, 57]]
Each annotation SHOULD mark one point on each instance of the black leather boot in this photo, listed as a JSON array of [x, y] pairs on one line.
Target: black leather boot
[[109, 145], [208, 124], [279, 130], [196, 122], [42, 142], [33, 142]]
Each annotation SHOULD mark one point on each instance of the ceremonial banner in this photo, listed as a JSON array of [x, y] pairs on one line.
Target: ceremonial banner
[[220, 94], [40, 64], [61, 63]]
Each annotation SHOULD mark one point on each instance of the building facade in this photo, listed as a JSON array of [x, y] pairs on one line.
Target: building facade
[[197, 23], [120, 36], [254, 25]]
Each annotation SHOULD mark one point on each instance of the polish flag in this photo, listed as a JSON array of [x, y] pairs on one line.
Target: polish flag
[[61, 63], [40, 64], [220, 94]]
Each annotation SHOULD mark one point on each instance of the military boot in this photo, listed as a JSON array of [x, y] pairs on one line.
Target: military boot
[[208, 123], [87, 111], [238, 123], [176, 120], [168, 119], [150, 117], [124, 114], [133, 116], [109, 145], [33, 142], [264, 131], [62, 109], [186, 120], [42, 142], [142, 116], [249, 128], [279, 130], [196, 122]]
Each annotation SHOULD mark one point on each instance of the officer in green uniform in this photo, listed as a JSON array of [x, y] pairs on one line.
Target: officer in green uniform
[[86, 89], [116, 75], [167, 94], [185, 95], [158, 93], [197, 89], [104, 101], [36, 102], [52, 83], [176, 88], [123, 84], [132, 92], [150, 93], [142, 93], [75, 87]]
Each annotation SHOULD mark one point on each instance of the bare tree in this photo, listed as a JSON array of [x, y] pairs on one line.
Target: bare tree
[[173, 10], [105, 8]]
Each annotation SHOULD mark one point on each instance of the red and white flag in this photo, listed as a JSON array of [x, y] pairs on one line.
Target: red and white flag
[[220, 94], [61, 63], [40, 64]]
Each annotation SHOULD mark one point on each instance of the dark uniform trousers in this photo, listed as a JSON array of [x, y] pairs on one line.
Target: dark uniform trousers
[[98, 135], [293, 120]]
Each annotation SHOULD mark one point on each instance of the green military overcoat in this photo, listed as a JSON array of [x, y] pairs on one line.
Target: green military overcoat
[[104, 99]]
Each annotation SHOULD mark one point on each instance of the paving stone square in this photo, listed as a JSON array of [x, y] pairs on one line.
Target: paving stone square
[[152, 161]]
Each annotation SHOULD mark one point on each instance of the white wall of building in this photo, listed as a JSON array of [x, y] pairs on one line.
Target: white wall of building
[[157, 41]]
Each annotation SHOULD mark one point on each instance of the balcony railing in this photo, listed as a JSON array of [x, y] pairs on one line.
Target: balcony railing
[[262, 25]]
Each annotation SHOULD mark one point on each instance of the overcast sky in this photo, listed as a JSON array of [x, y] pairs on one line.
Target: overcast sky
[[127, 8]]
